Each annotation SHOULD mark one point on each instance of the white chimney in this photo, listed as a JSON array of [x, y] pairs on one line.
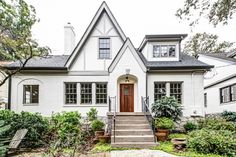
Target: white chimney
[[69, 39]]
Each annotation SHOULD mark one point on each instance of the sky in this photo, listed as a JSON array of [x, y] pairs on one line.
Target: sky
[[136, 18]]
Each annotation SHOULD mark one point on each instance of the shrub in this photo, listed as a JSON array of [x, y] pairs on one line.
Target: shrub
[[164, 123], [92, 114], [216, 124], [221, 142], [190, 126], [67, 127], [3, 129], [229, 116], [167, 107], [97, 125], [177, 135], [37, 126]]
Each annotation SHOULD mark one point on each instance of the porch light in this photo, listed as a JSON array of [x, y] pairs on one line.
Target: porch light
[[127, 71]]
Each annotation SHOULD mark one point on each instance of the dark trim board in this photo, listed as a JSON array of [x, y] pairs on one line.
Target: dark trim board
[[220, 81]]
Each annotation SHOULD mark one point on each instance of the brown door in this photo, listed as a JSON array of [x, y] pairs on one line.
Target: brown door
[[126, 98]]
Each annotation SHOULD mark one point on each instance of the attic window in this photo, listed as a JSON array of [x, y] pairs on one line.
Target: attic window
[[104, 48], [164, 51]]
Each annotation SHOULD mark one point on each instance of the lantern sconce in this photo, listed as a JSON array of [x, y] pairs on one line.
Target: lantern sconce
[[127, 71]]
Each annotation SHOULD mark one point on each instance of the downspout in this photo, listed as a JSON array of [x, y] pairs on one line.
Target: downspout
[[9, 93]]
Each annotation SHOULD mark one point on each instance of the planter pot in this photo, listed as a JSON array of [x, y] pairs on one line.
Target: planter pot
[[99, 133], [161, 136], [166, 131], [104, 139]]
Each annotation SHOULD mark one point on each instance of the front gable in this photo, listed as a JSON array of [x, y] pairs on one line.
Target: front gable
[[85, 54]]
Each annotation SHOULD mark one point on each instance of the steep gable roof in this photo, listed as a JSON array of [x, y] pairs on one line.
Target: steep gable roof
[[103, 8]]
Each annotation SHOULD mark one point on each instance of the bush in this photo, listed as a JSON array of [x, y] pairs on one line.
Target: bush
[[92, 114], [37, 126], [164, 123], [177, 135], [167, 107], [3, 129], [229, 116], [221, 142], [216, 124], [66, 127], [190, 126], [97, 125]]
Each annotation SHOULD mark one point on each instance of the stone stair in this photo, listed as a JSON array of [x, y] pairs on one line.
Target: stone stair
[[132, 130]]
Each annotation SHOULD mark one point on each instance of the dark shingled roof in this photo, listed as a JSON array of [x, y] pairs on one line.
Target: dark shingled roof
[[49, 62], [185, 62], [220, 56]]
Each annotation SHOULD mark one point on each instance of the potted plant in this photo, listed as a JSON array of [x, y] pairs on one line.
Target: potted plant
[[163, 126], [97, 126]]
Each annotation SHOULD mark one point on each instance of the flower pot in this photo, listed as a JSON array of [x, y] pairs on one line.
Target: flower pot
[[104, 139], [161, 136], [99, 133], [166, 131]]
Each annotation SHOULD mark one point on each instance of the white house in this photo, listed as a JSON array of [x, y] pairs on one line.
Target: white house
[[105, 64], [220, 82]]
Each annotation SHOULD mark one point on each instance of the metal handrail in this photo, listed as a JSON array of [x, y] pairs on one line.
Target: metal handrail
[[114, 114], [148, 114]]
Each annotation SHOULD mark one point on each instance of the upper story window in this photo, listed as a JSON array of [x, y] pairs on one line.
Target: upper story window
[[228, 94], [30, 94], [104, 48], [164, 51]]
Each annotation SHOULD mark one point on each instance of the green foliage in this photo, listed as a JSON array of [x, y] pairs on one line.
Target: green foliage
[[66, 127], [216, 12], [206, 43], [3, 129], [190, 126], [167, 107], [97, 125], [164, 123], [216, 124], [177, 135], [221, 142], [92, 114], [169, 148], [229, 116], [104, 147], [37, 126]]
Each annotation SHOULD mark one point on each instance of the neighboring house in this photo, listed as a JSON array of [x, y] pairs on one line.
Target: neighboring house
[[106, 64], [220, 82]]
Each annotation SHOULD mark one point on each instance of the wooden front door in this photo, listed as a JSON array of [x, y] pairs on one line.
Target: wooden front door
[[126, 98]]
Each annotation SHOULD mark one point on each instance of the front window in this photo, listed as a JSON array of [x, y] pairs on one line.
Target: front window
[[86, 93], [30, 94], [159, 90], [104, 48], [101, 93], [233, 92], [225, 94], [70, 93], [163, 51], [175, 91]]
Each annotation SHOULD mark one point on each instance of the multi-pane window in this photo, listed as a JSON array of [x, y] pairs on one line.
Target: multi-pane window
[[30, 94], [163, 51], [228, 94], [175, 91], [159, 90], [205, 99], [104, 48], [101, 93], [70, 93], [86, 93]]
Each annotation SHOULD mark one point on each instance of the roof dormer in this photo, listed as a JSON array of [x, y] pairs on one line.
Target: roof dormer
[[162, 47]]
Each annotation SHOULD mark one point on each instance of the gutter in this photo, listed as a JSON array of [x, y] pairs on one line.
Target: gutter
[[9, 93]]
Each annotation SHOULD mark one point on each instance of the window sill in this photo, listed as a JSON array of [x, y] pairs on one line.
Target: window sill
[[86, 105], [31, 104], [227, 103]]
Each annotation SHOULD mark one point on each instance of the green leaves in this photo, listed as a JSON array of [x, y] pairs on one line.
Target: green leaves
[[164, 123], [92, 114], [97, 125]]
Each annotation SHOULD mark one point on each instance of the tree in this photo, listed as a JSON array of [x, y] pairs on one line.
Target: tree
[[206, 43], [16, 42], [217, 11]]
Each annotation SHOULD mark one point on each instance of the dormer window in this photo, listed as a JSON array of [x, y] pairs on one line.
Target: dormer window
[[104, 48], [163, 51]]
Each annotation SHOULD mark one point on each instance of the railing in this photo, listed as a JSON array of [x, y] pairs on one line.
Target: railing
[[112, 100], [148, 114]]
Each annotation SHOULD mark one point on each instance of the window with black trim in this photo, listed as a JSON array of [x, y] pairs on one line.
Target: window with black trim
[[104, 48], [70, 93], [101, 93], [86, 93], [176, 91], [30, 94], [228, 94], [164, 51], [159, 90]]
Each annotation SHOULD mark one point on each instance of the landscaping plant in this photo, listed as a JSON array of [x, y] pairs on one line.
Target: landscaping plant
[[164, 123], [229, 116], [190, 126], [3, 129], [167, 107], [92, 114], [97, 125]]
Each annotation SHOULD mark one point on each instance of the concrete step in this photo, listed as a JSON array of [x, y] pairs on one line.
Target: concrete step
[[133, 132], [119, 121], [132, 126], [146, 138], [134, 144], [131, 118]]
